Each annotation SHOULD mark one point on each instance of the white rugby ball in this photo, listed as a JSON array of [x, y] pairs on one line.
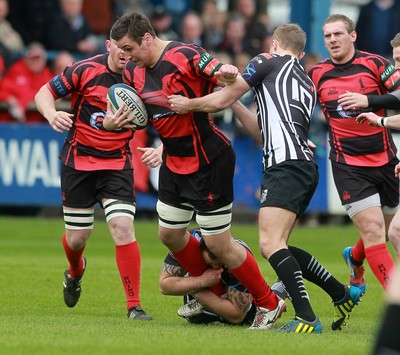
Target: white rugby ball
[[122, 94]]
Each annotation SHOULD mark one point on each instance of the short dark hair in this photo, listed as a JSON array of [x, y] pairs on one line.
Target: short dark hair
[[203, 247], [349, 23], [135, 25]]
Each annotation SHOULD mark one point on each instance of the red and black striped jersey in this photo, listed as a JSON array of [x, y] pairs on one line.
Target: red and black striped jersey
[[88, 145], [352, 143], [191, 141]]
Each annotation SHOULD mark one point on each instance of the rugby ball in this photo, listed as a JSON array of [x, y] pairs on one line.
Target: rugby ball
[[122, 94]]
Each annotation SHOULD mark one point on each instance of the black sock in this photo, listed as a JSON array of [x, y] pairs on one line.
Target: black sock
[[387, 341], [314, 272], [289, 271], [355, 262]]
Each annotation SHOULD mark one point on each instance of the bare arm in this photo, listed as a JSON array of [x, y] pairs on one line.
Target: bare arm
[[173, 282], [151, 157], [353, 100], [392, 122], [248, 119], [233, 307], [60, 121], [213, 102]]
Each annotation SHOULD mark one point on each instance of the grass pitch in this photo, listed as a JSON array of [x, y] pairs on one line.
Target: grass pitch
[[34, 319]]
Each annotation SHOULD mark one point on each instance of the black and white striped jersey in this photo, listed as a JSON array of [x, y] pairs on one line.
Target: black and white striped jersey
[[285, 97]]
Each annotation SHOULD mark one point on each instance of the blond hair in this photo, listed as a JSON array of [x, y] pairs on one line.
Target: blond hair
[[291, 37], [395, 42]]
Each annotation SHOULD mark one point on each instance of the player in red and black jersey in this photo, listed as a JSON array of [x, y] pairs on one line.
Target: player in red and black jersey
[[96, 167], [351, 100], [198, 160], [363, 157]]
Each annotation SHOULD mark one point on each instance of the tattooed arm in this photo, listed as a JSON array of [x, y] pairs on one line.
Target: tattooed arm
[[232, 307], [173, 281]]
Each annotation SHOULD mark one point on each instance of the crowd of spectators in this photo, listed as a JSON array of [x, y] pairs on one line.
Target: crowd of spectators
[[39, 37]]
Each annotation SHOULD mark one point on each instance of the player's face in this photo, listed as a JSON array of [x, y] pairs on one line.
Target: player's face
[[116, 57], [136, 53], [212, 260], [396, 57], [338, 42]]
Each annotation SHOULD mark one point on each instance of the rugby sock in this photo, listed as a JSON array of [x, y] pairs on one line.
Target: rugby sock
[[128, 263], [289, 272], [381, 263], [74, 258], [314, 272], [249, 274], [358, 253], [387, 341], [191, 258]]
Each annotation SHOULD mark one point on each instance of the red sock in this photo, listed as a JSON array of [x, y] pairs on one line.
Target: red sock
[[358, 252], [381, 263], [250, 276], [74, 258], [191, 258], [128, 263]]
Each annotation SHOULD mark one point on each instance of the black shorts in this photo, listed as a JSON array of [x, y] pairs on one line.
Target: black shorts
[[289, 185], [206, 190], [355, 183], [83, 189]]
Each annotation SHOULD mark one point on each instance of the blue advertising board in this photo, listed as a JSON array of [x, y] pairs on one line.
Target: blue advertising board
[[29, 170], [29, 164]]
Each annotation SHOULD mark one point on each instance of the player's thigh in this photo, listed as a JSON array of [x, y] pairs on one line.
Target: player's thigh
[[289, 186]]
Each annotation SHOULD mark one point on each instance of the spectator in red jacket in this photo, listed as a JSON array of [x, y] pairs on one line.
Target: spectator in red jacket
[[23, 80]]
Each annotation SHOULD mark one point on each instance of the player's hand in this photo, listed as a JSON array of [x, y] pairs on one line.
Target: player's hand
[[312, 146], [369, 117], [179, 104], [397, 170], [210, 277], [151, 157], [227, 73], [60, 121], [117, 120], [353, 101]]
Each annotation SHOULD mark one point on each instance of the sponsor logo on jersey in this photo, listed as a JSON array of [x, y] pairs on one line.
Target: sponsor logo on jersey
[[249, 71], [389, 70], [362, 86], [96, 119], [347, 113], [207, 64], [392, 80], [61, 85], [332, 91]]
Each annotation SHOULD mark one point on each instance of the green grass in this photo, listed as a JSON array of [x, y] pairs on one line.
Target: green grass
[[34, 319]]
